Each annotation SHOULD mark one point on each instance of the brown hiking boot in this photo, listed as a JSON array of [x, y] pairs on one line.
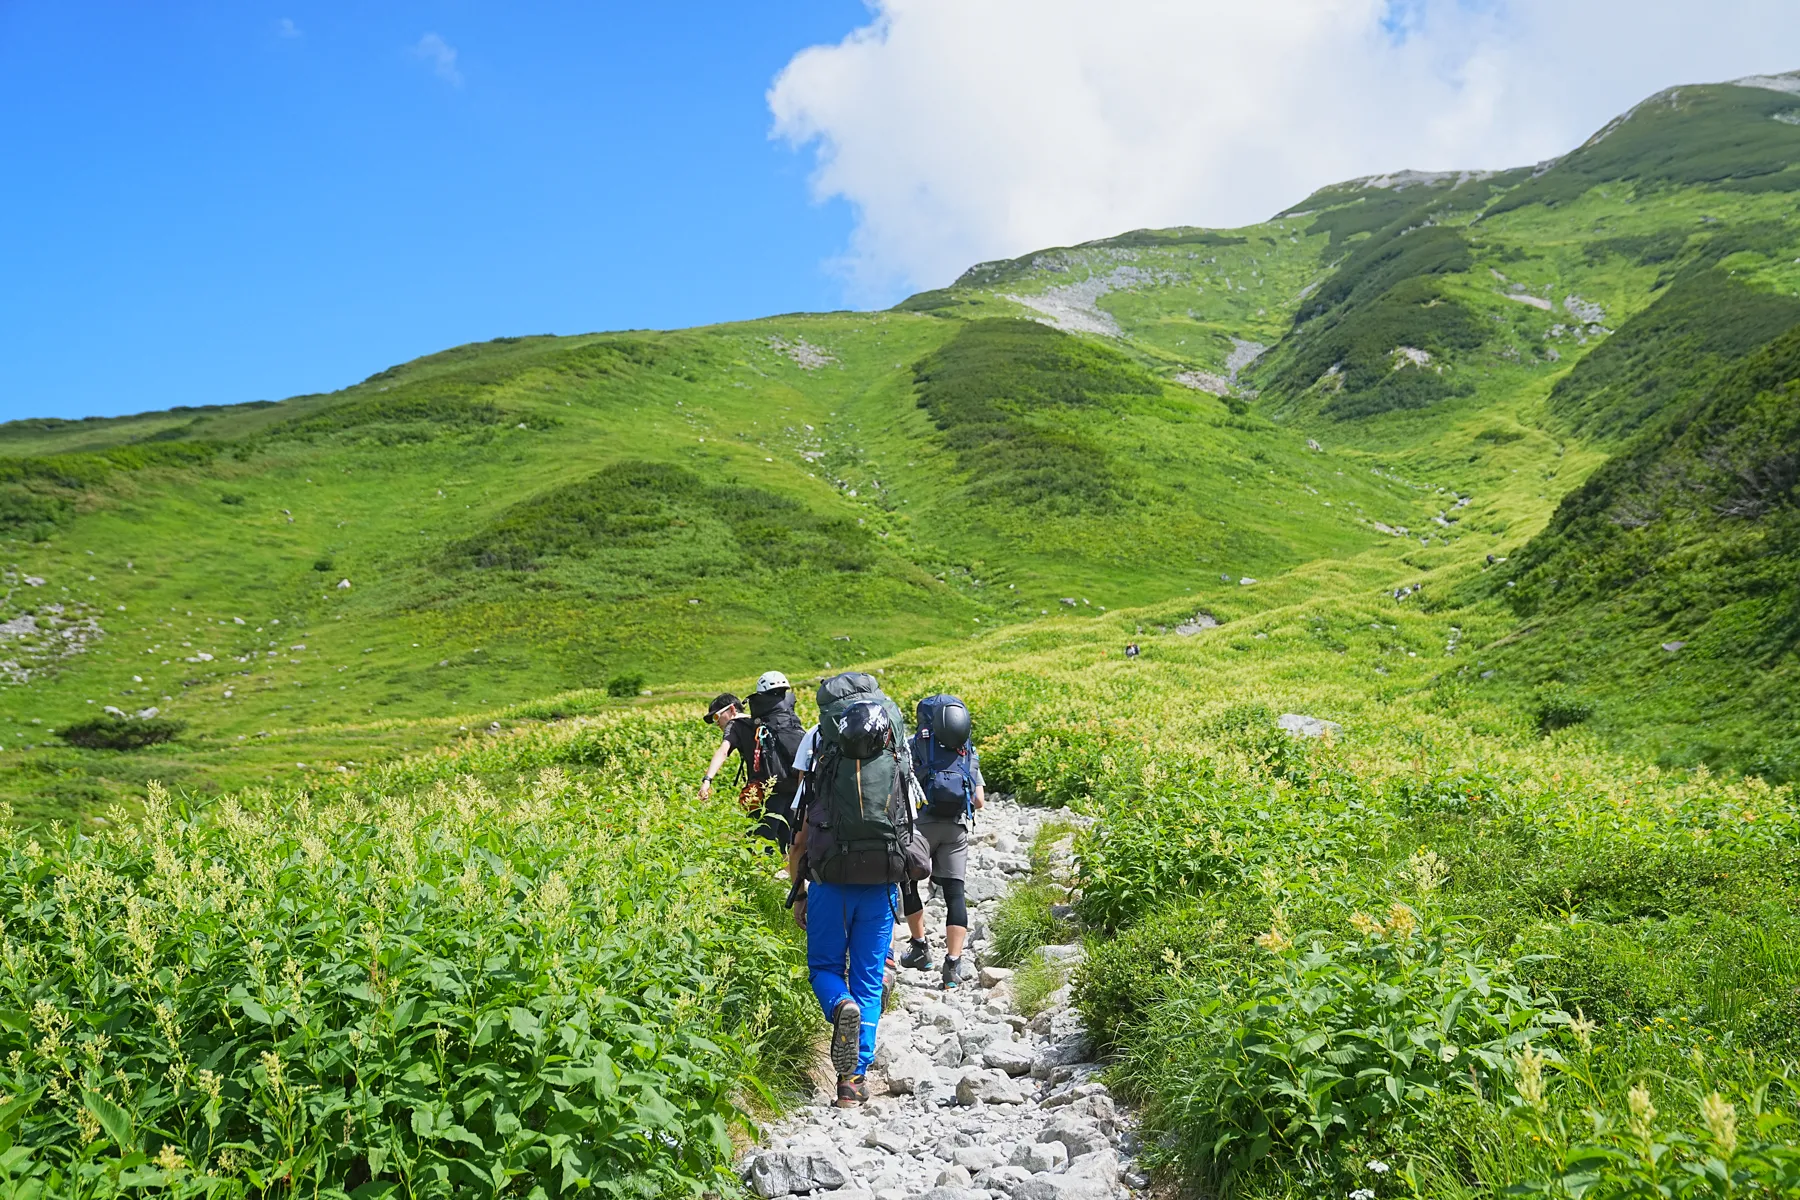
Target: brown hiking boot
[[853, 1090], [846, 1038]]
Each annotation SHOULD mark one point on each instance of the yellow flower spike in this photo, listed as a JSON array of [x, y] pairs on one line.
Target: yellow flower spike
[[1530, 1065], [1642, 1111], [1721, 1122]]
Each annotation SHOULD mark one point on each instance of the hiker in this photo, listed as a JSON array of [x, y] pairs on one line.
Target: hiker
[[771, 768], [855, 840], [948, 772], [765, 742], [1131, 650]]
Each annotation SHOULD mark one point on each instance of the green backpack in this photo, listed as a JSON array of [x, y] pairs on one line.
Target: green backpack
[[859, 815]]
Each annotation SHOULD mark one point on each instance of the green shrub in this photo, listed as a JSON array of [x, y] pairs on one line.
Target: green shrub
[[628, 683], [1328, 1042], [232, 498], [1559, 707], [1125, 977], [120, 733], [1023, 922]]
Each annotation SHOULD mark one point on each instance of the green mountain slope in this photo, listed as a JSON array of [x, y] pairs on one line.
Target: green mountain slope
[[1377, 390]]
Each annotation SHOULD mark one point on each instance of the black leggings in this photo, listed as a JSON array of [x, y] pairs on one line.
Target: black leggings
[[954, 900]]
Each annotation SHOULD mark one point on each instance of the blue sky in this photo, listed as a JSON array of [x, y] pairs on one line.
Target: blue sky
[[214, 202]]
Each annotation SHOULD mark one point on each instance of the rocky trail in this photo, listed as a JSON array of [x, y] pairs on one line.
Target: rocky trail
[[970, 1099]]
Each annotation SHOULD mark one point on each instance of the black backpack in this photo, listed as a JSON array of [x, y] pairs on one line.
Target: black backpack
[[778, 737], [859, 813]]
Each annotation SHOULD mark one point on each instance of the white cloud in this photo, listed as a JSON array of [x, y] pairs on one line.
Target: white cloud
[[962, 130], [442, 57], [286, 28]]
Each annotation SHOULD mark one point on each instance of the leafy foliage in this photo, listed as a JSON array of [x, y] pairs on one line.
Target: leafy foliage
[[1558, 708], [628, 684], [1334, 1040], [431, 986], [1023, 923]]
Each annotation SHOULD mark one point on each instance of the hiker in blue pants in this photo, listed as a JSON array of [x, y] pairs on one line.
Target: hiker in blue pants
[[854, 843], [848, 930]]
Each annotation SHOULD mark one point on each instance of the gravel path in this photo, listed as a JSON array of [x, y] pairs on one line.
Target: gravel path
[[970, 1100]]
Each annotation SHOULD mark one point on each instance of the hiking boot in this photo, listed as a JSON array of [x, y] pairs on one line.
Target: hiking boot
[[846, 1038], [952, 972], [853, 1090], [917, 956]]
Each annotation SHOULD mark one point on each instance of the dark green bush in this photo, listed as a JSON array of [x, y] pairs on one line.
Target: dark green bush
[[628, 683], [646, 515], [120, 733], [232, 498], [996, 390], [1703, 323], [1558, 707]]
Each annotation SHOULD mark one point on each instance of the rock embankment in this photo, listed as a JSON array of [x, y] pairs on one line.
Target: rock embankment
[[971, 1100]]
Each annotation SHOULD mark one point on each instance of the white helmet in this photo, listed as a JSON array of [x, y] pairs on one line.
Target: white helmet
[[772, 681]]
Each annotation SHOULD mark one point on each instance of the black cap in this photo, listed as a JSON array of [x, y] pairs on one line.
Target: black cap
[[721, 702]]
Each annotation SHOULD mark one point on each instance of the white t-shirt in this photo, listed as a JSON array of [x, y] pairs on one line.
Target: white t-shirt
[[809, 745], [803, 761]]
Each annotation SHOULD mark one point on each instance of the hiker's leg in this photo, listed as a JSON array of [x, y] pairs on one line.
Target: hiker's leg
[[827, 943], [914, 907], [956, 918], [871, 930], [949, 867]]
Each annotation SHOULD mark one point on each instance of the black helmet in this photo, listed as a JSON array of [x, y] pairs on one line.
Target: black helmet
[[951, 729], [864, 730]]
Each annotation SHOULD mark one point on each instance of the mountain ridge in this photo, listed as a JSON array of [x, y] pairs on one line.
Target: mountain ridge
[[1397, 379]]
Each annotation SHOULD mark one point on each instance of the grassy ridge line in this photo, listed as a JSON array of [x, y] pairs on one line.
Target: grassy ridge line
[[541, 963]]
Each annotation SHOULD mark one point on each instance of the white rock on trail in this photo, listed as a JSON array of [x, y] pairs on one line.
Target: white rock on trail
[[969, 1099], [1311, 727]]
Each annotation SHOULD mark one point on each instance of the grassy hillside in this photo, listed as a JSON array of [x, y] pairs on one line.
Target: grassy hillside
[[520, 518], [1401, 376]]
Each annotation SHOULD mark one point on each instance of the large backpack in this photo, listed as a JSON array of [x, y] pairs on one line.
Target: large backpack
[[947, 777], [778, 736], [859, 814]]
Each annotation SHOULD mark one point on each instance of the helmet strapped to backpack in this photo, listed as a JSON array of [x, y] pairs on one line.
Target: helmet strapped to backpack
[[942, 757], [949, 723], [864, 731]]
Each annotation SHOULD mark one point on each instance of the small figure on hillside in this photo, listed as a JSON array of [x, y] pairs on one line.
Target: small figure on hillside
[[948, 773], [1131, 651], [849, 852]]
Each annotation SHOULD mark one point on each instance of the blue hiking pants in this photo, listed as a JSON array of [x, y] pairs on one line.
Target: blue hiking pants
[[849, 927]]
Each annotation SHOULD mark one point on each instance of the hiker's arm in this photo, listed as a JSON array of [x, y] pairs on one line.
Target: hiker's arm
[[712, 768], [980, 795], [796, 858]]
